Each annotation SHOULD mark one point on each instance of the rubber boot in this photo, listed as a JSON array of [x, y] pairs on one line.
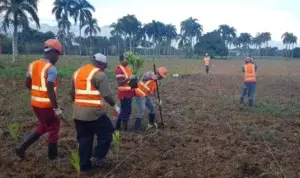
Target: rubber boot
[[152, 121], [118, 124], [242, 100], [138, 123], [125, 125], [29, 139], [250, 102], [52, 151]]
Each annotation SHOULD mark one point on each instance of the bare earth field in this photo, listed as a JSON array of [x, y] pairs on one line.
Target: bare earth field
[[208, 133]]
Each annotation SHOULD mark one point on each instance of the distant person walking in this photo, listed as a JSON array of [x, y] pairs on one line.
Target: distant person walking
[[206, 63], [249, 86], [42, 82]]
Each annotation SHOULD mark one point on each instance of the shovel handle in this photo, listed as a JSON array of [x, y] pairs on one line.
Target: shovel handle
[[158, 96]]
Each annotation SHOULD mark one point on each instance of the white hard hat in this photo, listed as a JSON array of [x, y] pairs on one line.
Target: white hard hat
[[100, 58]]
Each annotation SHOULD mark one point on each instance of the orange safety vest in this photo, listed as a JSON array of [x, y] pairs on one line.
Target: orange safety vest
[[206, 61], [127, 73], [250, 75], [38, 71], [145, 88], [85, 93]]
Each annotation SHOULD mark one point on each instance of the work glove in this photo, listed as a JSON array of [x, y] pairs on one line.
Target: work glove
[[58, 112], [131, 77], [117, 110], [154, 77]]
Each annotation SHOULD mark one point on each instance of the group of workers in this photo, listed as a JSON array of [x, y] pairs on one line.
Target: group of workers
[[90, 90]]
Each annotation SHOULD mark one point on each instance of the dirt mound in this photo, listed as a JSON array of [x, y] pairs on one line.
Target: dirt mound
[[208, 135]]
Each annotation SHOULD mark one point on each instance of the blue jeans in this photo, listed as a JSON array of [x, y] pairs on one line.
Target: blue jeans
[[125, 109], [250, 88], [103, 129], [143, 103]]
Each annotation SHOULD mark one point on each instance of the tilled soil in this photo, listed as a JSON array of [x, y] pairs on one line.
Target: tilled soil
[[208, 134]]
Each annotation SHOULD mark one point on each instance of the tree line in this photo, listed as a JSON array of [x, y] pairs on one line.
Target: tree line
[[128, 34]]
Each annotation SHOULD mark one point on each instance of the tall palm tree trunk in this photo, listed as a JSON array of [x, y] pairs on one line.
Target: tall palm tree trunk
[[15, 43], [90, 44], [266, 48], [80, 42]]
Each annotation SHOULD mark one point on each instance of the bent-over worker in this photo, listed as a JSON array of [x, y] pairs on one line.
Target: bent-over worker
[[146, 88]]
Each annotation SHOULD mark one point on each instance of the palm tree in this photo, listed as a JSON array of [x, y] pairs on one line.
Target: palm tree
[[130, 25], [286, 39], [245, 39], [293, 41], [63, 10], [171, 35], [91, 28], [191, 29], [82, 13], [18, 14], [228, 34], [266, 37], [258, 41], [117, 31]]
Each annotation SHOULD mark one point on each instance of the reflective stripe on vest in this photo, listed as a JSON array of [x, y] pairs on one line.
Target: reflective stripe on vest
[[39, 94], [144, 88], [85, 93], [126, 73], [250, 75]]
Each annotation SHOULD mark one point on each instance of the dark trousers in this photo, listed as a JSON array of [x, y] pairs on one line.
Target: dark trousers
[[103, 128], [206, 69], [125, 109]]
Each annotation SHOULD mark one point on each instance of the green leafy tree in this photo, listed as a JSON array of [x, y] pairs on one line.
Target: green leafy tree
[[211, 43], [18, 14], [228, 34], [117, 32], [266, 37]]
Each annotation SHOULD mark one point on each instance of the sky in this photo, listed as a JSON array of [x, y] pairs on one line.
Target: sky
[[252, 16]]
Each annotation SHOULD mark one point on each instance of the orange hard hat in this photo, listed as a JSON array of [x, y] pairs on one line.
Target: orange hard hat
[[53, 44], [162, 71]]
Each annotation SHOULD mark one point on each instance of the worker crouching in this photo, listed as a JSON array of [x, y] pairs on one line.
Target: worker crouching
[[249, 86], [90, 88], [146, 89]]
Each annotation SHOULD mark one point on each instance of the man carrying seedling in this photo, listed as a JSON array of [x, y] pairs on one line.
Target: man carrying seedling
[[125, 92], [146, 88], [90, 88], [206, 63], [249, 81], [42, 81]]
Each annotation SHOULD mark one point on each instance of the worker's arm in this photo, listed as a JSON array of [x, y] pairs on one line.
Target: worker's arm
[[52, 75], [101, 82], [72, 92], [28, 80], [28, 83]]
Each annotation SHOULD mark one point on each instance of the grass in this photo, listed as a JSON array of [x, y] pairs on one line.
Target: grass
[[276, 109]]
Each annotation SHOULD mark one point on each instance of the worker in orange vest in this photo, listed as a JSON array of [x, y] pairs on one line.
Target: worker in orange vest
[[42, 81], [206, 63], [126, 92], [90, 88], [146, 88], [249, 86]]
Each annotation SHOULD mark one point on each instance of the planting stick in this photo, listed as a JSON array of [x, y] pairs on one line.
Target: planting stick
[[158, 96]]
